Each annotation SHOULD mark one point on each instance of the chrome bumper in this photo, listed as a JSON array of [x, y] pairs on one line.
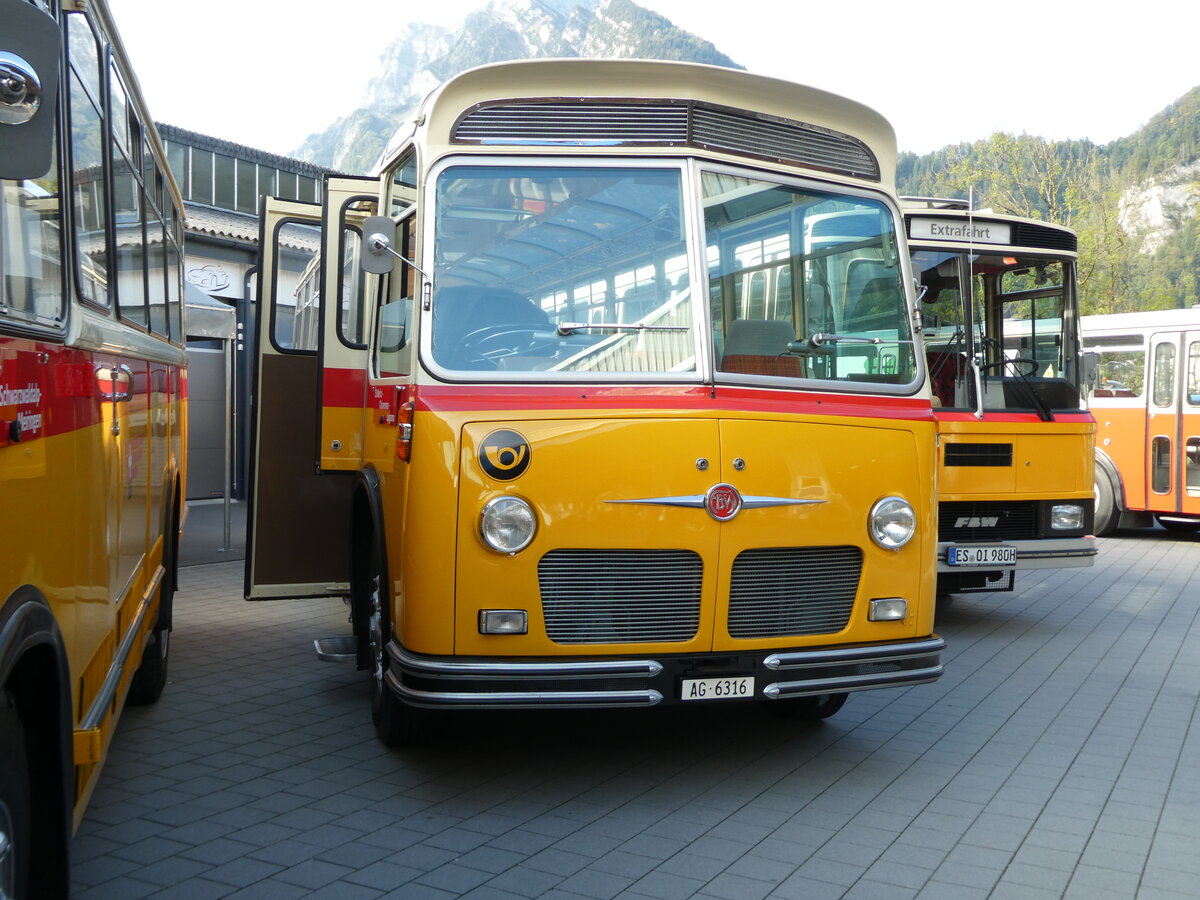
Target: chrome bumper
[[1047, 553], [523, 683]]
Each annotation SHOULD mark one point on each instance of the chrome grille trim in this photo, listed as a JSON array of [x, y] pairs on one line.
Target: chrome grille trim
[[782, 591], [585, 122], [620, 596]]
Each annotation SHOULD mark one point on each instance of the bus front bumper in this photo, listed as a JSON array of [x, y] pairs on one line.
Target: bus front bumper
[[1040, 553], [452, 682]]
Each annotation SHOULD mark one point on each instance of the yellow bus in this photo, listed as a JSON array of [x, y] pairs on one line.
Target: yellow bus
[[1000, 327], [551, 443], [1146, 399], [92, 387]]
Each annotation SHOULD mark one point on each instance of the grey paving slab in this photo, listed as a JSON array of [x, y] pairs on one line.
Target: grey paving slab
[[1056, 758]]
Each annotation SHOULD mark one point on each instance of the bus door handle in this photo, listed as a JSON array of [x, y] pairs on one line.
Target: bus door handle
[[119, 380]]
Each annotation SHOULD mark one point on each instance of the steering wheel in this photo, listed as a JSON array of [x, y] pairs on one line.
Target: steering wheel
[[495, 342], [1014, 361]]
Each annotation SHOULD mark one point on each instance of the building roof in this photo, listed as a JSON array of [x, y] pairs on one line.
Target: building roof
[[241, 151]]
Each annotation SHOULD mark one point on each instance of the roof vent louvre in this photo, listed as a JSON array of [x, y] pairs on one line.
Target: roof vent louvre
[[614, 123]]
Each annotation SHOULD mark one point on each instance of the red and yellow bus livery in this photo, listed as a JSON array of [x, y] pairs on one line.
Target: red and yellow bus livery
[[582, 406], [92, 420]]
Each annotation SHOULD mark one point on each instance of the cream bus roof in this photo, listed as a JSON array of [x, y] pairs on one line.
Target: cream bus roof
[[643, 80]]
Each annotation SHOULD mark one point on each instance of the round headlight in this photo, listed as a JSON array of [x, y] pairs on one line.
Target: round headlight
[[893, 523], [507, 524]]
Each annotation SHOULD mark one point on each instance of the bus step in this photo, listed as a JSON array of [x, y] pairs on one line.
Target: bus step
[[336, 649]]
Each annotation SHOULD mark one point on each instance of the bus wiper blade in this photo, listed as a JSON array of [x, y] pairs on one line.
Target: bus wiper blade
[[566, 328]]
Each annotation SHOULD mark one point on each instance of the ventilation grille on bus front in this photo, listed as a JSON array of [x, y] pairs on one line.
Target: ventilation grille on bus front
[[785, 591], [1028, 235], [620, 596], [608, 123], [985, 520]]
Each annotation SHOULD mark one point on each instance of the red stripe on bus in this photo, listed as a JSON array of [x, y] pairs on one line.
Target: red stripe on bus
[[441, 398]]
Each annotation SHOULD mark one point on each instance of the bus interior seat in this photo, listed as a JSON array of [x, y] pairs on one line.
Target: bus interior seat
[[946, 369], [760, 347], [458, 311]]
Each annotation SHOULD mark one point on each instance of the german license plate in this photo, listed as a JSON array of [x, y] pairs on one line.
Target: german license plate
[[982, 556], [738, 688]]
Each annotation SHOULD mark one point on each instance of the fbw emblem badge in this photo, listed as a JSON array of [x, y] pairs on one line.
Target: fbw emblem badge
[[505, 455], [723, 502]]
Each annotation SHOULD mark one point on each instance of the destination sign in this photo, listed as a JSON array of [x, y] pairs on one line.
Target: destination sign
[[979, 232]]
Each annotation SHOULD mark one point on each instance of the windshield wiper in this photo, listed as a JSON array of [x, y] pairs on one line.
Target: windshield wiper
[[566, 328]]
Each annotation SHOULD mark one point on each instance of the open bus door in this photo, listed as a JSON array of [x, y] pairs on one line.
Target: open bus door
[[308, 393]]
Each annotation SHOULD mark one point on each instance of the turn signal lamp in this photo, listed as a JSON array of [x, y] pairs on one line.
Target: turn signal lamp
[[404, 438]]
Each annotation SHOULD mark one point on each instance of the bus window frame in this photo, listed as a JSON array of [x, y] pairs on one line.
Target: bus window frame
[[271, 321]]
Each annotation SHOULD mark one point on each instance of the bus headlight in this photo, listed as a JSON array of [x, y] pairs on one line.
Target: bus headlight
[[1066, 517], [892, 523], [507, 524]]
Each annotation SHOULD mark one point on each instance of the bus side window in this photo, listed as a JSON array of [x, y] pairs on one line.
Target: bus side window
[[393, 338]]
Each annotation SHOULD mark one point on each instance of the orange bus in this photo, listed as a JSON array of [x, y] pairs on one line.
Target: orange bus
[[1000, 315], [1146, 398], [92, 386], [547, 437]]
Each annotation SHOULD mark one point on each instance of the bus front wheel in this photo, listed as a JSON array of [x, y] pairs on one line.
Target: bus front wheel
[[14, 802], [396, 723]]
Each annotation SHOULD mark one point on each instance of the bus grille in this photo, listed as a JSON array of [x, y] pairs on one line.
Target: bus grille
[[620, 596], [988, 520], [784, 591], [586, 123]]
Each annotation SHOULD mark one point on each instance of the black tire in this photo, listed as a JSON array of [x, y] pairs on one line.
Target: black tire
[[151, 676], [1178, 526], [807, 709], [1107, 514], [15, 821], [396, 723]]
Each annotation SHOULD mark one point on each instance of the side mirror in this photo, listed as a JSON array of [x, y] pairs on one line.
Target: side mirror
[[1089, 371], [29, 61], [379, 233]]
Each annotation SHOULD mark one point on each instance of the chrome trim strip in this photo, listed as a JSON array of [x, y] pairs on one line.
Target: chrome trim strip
[[837, 656], [810, 686], [462, 699], [104, 697], [697, 501], [628, 668]]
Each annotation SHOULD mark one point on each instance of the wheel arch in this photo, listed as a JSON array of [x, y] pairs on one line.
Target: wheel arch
[[34, 670], [366, 535]]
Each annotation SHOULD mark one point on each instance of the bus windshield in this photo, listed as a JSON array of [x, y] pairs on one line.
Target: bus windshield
[[562, 269], [1014, 325], [558, 269]]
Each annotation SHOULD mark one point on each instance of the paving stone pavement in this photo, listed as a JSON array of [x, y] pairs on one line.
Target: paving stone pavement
[[1058, 757]]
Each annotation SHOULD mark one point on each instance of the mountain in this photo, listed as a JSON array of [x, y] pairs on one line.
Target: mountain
[[1135, 201], [424, 56]]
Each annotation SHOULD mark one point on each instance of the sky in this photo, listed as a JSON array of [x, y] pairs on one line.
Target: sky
[[268, 74]]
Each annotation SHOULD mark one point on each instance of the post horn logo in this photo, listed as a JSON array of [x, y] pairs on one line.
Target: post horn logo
[[505, 455]]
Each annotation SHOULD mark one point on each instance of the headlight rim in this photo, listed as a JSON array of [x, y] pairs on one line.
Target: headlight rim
[[490, 508], [876, 530]]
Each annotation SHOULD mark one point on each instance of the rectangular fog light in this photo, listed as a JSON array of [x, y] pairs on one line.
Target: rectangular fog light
[[503, 621], [888, 609], [1066, 517]]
